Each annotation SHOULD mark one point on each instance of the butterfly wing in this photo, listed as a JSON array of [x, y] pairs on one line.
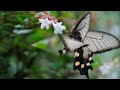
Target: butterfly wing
[[82, 26], [89, 43], [80, 31], [80, 63], [100, 42], [71, 43]]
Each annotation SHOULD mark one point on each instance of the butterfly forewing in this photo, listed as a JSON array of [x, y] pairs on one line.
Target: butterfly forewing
[[83, 26]]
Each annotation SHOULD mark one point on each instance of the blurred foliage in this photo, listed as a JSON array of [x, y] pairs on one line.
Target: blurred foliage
[[20, 31]]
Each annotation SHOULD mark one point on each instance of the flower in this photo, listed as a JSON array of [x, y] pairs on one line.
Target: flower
[[57, 31], [61, 26], [44, 23], [19, 26], [48, 20], [105, 69], [37, 15], [58, 27]]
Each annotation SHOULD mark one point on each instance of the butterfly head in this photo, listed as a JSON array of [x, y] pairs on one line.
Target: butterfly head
[[74, 34], [70, 33]]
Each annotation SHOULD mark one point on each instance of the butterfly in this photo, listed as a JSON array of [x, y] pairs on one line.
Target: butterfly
[[84, 43]]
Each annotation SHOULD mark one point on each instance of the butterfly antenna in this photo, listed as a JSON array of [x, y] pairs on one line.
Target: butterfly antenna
[[78, 14], [76, 19]]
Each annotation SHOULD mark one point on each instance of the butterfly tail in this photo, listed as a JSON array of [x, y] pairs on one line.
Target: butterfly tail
[[87, 75]]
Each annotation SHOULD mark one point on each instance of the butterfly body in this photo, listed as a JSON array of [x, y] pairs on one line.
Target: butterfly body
[[83, 64]]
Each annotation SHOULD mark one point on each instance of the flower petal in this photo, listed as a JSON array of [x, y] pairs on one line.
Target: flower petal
[[41, 20], [45, 23], [47, 26], [61, 26], [42, 26], [57, 31]]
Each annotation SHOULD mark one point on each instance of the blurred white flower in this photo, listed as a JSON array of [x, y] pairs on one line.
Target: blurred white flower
[[25, 31], [41, 13], [56, 31], [44, 23], [19, 26], [61, 26], [105, 69], [58, 27], [26, 20]]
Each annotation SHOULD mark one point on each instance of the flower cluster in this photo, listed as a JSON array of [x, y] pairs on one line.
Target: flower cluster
[[48, 20]]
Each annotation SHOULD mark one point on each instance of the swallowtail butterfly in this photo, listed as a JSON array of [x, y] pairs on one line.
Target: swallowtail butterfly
[[83, 43]]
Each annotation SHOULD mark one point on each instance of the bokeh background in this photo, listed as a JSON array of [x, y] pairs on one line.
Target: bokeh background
[[28, 52]]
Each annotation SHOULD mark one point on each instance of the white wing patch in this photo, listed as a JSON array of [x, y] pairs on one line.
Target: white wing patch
[[100, 42], [72, 44], [86, 52], [83, 27], [94, 35]]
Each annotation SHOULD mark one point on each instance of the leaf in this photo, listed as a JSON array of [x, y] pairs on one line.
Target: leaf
[[98, 61], [67, 14], [43, 44], [19, 19], [2, 13], [55, 13]]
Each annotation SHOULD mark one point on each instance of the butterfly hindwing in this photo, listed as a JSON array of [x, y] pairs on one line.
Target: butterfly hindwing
[[80, 63]]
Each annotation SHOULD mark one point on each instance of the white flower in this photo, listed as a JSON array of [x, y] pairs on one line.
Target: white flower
[[22, 31], [26, 20], [44, 23], [19, 26], [58, 27], [105, 69], [41, 13], [57, 31], [61, 26]]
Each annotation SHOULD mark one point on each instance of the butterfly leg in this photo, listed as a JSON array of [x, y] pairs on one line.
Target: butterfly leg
[[62, 52]]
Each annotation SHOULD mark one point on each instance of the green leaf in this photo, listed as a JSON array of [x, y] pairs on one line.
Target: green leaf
[[68, 14], [55, 13], [19, 19], [2, 13], [43, 44]]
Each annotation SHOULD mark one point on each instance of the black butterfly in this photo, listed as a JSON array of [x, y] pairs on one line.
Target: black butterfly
[[84, 43]]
